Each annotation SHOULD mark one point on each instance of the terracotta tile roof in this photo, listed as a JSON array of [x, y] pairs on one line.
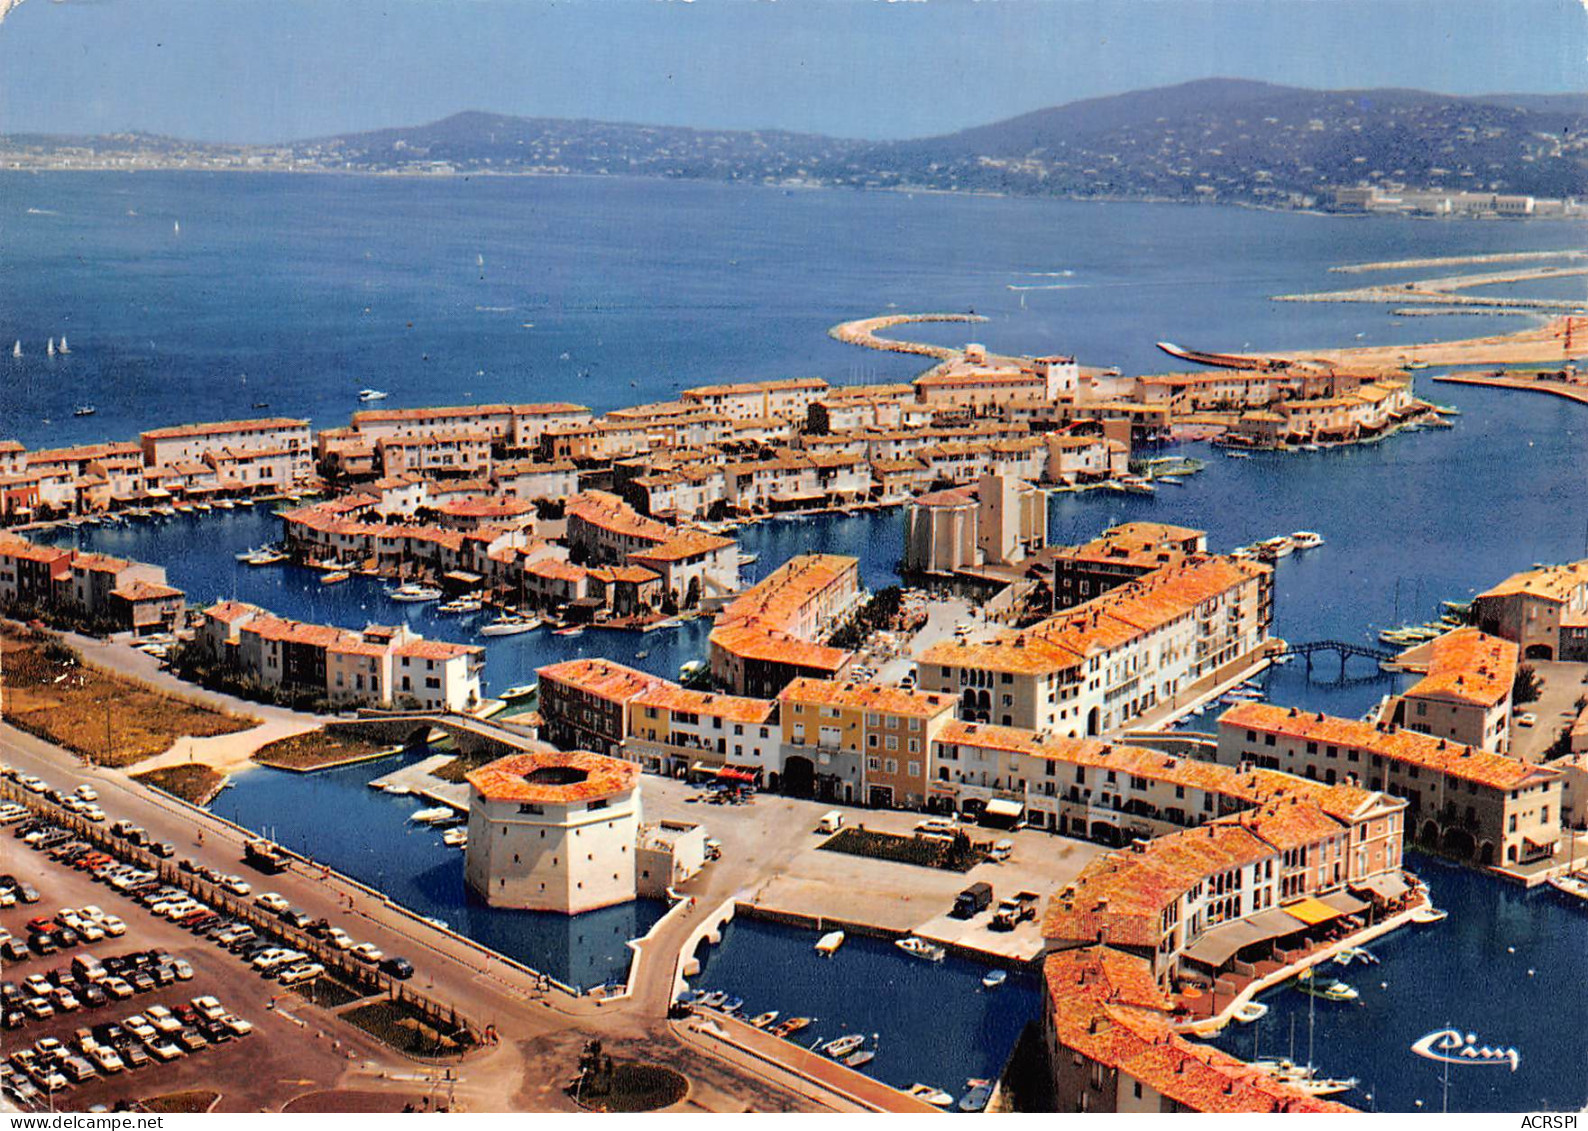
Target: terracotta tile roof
[[769, 646], [867, 697], [437, 650], [228, 611], [485, 508], [750, 387], [554, 569], [82, 452], [1466, 763], [1469, 666], [145, 591], [221, 428], [98, 563], [601, 678], [510, 778], [951, 497], [20, 548], [686, 544], [1551, 583], [269, 627], [732, 708], [1116, 617], [608, 512]]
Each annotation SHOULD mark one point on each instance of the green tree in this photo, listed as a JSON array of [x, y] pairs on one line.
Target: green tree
[[1527, 687]]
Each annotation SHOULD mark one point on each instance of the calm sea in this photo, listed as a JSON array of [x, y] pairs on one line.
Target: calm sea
[[297, 292]]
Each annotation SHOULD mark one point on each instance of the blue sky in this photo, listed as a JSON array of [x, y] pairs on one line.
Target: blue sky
[[263, 70]]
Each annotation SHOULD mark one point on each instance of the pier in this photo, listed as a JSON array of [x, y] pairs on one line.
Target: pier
[[863, 332]]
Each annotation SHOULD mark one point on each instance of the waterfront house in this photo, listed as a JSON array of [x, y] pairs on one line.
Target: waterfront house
[[186, 443], [588, 704], [1465, 692], [1544, 611], [774, 632], [1467, 801], [679, 731], [1121, 553]]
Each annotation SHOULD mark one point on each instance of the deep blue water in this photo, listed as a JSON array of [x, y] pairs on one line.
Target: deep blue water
[[929, 1023], [299, 291], [372, 840], [1507, 965]]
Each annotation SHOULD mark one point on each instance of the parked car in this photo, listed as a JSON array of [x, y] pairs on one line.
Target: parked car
[[399, 968]]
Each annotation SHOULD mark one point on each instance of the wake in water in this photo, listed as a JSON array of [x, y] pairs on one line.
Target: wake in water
[[42, 212]]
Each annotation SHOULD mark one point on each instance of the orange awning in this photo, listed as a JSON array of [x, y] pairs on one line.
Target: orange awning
[[1311, 911]]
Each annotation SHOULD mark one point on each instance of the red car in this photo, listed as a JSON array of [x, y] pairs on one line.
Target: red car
[[41, 925]]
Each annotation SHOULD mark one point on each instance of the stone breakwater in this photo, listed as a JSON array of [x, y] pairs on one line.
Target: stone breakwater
[[864, 332]]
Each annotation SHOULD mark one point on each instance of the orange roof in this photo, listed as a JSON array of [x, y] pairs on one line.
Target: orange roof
[[20, 548], [98, 563], [867, 696], [1114, 618], [1105, 1005], [769, 646], [1469, 666], [748, 387], [221, 428], [145, 591], [601, 678], [554, 569], [228, 611], [608, 512], [688, 544], [535, 778], [733, 708], [1550, 583], [1467, 763], [437, 650], [485, 508]]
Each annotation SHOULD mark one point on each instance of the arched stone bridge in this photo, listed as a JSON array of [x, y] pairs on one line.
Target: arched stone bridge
[[472, 736]]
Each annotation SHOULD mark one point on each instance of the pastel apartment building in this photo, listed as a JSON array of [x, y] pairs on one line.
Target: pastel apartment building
[[1465, 691], [859, 742], [1470, 802], [1544, 611], [1120, 554], [378, 667], [132, 596], [589, 704], [1098, 666], [680, 731], [774, 631], [191, 443], [789, 398]]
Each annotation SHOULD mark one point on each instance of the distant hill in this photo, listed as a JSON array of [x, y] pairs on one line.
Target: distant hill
[[1222, 140]]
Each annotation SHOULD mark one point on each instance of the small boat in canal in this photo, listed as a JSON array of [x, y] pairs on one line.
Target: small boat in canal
[[762, 1020], [1573, 886], [733, 1005], [459, 605], [334, 576], [571, 630], [790, 1027], [1251, 1011], [920, 948], [1356, 954], [994, 978], [414, 593], [431, 816], [977, 1098], [937, 1097], [714, 999], [267, 557], [828, 944], [1429, 914], [1329, 989], [522, 691], [844, 1045], [456, 837], [509, 625], [1306, 539], [857, 1059]]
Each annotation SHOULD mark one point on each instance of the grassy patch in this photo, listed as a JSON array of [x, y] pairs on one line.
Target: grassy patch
[[463, 764], [109, 719], [316, 750], [195, 783], [402, 1026], [180, 1103], [329, 993], [632, 1087], [957, 855]]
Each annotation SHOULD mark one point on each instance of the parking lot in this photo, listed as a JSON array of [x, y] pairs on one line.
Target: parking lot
[[118, 986]]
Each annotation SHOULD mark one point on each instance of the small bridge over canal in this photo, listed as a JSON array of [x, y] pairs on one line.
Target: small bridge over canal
[[472, 736], [1346, 652]]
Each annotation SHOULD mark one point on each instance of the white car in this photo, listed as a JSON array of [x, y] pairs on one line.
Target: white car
[[209, 1007], [270, 901], [236, 885], [339, 938], [88, 793], [237, 1026], [303, 972], [163, 1019], [106, 1059], [1526, 719], [138, 1025], [113, 926], [368, 952]]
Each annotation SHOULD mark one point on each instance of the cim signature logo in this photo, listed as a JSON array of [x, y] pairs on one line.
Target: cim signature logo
[[1452, 1046]]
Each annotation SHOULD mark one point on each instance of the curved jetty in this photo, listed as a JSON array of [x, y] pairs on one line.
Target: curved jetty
[[864, 333]]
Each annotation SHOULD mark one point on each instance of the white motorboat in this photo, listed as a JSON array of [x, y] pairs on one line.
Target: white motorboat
[[267, 557], [84, 410], [1251, 1011], [937, 1097], [460, 605], [371, 395], [455, 838], [414, 593], [431, 816], [994, 978], [1306, 539], [522, 691], [509, 626], [843, 1046], [1429, 914], [828, 944], [920, 948]]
